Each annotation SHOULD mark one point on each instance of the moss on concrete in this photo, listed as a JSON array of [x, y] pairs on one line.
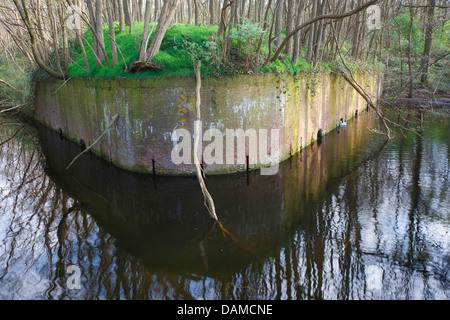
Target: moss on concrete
[[151, 109]]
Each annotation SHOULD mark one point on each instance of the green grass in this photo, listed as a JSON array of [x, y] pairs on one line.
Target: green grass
[[173, 56], [182, 45]]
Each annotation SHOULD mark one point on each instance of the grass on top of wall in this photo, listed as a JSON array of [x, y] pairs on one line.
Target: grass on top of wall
[[182, 45], [173, 55]]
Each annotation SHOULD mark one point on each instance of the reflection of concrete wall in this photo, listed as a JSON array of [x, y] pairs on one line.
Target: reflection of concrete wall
[[163, 220], [149, 110]]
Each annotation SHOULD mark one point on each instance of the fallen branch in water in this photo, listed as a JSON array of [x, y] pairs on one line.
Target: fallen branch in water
[[351, 80], [366, 97], [209, 202], [95, 142]]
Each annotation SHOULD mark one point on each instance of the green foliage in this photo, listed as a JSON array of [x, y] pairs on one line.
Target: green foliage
[[441, 38], [286, 66], [208, 51], [396, 54], [400, 27], [184, 44], [173, 55], [249, 34], [18, 75]]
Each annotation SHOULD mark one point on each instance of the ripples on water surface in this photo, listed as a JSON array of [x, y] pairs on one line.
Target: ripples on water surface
[[349, 218]]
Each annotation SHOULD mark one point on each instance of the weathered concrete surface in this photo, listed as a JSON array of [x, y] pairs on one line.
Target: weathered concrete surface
[[151, 109]]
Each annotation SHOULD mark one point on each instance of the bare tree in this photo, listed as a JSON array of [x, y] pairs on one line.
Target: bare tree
[[331, 16], [24, 14]]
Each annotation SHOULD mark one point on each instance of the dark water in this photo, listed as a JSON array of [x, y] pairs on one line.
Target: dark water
[[348, 218]]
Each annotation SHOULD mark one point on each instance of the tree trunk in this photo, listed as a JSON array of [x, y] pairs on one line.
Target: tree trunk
[[355, 51], [223, 18], [99, 28], [189, 11], [29, 26], [212, 18], [91, 11], [279, 23], [121, 15], [54, 33], [112, 34], [164, 21], [145, 35], [411, 20], [196, 12], [428, 40], [289, 25], [298, 35], [157, 9], [128, 15], [65, 38], [318, 36], [325, 16]]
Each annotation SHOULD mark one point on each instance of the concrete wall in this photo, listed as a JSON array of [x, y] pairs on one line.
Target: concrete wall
[[151, 109]]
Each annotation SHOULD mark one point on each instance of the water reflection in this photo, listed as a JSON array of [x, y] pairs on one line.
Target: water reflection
[[349, 218]]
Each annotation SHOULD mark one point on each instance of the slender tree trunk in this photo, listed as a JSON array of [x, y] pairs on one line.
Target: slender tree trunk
[[310, 53], [92, 17], [290, 24], [54, 33], [223, 17], [141, 5], [121, 15], [112, 34], [65, 38], [428, 40], [297, 38], [189, 11], [164, 21], [79, 40], [411, 21], [128, 15], [356, 31], [313, 20], [279, 23], [212, 11], [99, 28], [145, 35], [196, 12], [318, 36], [29, 26], [265, 25]]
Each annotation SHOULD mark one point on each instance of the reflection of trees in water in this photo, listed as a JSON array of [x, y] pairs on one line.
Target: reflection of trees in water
[[43, 231], [396, 217], [379, 215], [387, 212]]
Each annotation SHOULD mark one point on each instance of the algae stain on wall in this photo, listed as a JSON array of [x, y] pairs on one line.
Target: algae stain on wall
[[149, 110]]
